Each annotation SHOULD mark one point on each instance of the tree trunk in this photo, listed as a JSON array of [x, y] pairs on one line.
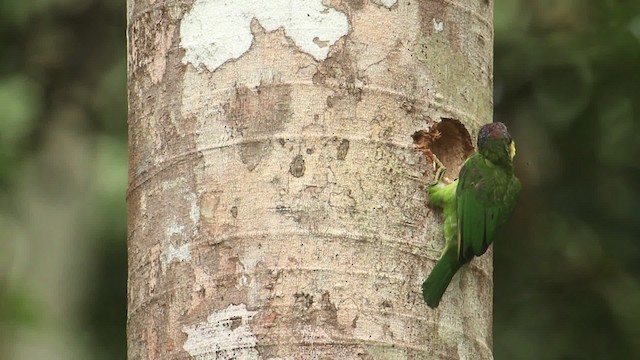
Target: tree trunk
[[277, 205]]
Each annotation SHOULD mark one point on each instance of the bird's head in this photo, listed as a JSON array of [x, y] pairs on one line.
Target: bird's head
[[495, 143]]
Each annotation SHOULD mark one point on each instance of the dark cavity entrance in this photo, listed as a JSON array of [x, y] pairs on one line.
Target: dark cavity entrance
[[449, 141]]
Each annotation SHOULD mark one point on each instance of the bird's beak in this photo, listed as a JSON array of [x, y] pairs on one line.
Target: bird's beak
[[512, 149]]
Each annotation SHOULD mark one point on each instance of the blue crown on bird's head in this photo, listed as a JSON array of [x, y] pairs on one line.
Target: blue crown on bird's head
[[493, 131], [496, 145]]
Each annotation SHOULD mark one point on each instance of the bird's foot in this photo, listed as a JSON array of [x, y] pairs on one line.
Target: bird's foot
[[439, 169]]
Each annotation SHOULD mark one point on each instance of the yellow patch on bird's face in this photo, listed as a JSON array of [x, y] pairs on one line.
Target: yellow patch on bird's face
[[512, 149]]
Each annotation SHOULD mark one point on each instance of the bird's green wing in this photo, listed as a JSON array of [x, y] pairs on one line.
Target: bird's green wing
[[478, 216]]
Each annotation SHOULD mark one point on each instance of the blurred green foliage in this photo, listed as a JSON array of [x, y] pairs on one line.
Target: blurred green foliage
[[567, 82], [63, 174]]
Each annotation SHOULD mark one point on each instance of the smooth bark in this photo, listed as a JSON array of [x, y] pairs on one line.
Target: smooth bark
[[277, 205]]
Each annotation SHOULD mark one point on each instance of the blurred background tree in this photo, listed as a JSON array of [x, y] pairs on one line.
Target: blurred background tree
[[63, 175], [567, 83]]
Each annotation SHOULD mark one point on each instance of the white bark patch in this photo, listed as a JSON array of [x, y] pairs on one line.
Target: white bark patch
[[194, 211], [438, 26], [172, 253], [143, 209], [174, 229], [225, 335], [249, 260], [385, 3], [170, 184], [215, 31]]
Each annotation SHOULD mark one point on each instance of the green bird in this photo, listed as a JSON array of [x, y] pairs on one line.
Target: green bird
[[474, 206]]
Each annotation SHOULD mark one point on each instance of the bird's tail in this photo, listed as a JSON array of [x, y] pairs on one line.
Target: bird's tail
[[437, 282]]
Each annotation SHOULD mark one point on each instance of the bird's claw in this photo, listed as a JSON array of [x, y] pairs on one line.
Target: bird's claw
[[440, 169]]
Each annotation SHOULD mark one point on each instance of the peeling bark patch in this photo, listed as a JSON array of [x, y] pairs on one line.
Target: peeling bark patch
[[236, 321], [434, 14], [386, 304], [297, 168], [386, 3], [257, 111], [343, 149], [153, 35], [253, 113], [175, 229], [354, 4], [162, 43], [251, 260], [320, 43], [251, 154], [329, 309], [340, 73], [194, 213], [171, 253], [225, 335], [438, 26], [214, 32], [303, 301]]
